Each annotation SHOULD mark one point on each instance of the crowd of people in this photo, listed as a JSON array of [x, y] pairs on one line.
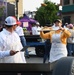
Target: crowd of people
[[59, 41], [58, 37], [69, 41]]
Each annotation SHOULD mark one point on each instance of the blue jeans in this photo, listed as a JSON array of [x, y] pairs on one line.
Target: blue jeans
[[70, 48], [23, 41], [47, 50]]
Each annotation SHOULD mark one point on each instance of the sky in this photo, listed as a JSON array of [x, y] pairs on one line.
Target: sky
[[31, 5]]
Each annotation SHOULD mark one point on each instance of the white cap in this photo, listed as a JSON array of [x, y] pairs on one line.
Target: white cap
[[37, 23], [10, 21]]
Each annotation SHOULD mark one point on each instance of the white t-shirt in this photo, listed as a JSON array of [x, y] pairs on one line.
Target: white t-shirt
[[66, 28], [19, 31], [35, 30]]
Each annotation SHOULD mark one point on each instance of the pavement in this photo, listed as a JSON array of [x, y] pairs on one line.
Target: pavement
[[33, 58]]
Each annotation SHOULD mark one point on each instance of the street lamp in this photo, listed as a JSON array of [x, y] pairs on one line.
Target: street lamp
[[60, 9]]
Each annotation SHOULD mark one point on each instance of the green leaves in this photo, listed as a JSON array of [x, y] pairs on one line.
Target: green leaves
[[47, 13], [1, 11]]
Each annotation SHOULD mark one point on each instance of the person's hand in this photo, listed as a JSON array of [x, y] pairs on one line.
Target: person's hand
[[12, 52]]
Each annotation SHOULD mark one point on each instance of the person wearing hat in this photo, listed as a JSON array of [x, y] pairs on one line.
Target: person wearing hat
[[66, 26], [19, 31], [36, 28], [70, 41], [9, 40], [56, 25], [47, 45], [58, 39]]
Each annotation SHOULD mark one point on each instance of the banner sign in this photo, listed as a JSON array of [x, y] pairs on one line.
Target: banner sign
[[25, 24]]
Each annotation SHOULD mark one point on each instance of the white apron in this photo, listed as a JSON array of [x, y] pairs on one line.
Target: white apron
[[58, 49]]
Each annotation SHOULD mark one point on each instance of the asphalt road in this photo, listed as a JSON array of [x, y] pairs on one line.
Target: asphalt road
[[33, 58]]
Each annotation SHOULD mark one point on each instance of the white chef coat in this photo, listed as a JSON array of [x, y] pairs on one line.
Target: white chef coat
[[11, 41], [4, 54]]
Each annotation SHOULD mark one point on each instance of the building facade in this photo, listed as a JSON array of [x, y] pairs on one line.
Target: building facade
[[3, 11], [67, 11], [12, 10]]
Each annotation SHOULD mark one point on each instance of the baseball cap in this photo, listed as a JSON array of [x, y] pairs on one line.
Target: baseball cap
[[71, 25], [66, 23], [18, 23], [37, 23], [10, 20], [58, 20]]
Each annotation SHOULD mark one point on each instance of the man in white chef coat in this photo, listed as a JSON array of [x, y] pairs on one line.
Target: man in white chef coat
[[9, 40]]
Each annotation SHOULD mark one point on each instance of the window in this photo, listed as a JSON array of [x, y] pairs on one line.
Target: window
[[66, 2], [73, 1], [67, 19]]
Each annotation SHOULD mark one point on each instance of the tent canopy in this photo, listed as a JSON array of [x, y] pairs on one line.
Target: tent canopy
[[29, 20]]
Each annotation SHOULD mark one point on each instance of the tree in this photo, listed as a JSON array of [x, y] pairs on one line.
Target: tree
[[47, 12], [1, 13]]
